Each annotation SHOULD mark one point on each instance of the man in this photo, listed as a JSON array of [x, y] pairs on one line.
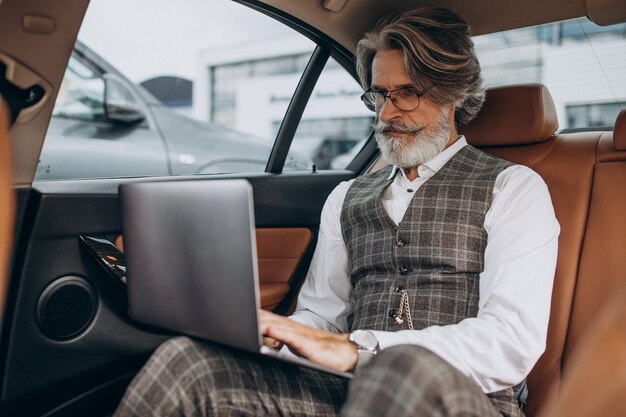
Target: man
[[440, 267]]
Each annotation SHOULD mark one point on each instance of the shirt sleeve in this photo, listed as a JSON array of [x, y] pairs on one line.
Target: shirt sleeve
[[324, 299], [499, 347]]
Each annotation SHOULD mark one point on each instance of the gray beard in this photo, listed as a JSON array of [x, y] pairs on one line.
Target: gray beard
[[420, 148]]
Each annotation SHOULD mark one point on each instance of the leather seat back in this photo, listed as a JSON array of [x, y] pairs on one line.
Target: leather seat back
[[594, 359], [518, 123], [594, 381], [603, 264]]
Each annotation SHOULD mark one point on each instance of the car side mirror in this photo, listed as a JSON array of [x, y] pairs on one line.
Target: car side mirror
[[120, 106]]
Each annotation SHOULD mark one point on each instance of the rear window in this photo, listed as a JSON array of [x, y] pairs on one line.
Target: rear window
[[581, 63]]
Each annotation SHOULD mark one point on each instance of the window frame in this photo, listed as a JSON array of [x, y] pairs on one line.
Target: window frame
[[325, 48]]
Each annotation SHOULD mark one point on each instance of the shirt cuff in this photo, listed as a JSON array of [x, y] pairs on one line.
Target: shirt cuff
[[388, 339]]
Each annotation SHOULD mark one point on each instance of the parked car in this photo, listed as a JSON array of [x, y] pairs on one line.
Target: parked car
[[342, 160], [104, 125], [67, 345]]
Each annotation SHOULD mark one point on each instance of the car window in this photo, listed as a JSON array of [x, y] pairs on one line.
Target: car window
[[82, 92], [199, 95], [249, 89], [581, 63], [207, 93], [335, 123]]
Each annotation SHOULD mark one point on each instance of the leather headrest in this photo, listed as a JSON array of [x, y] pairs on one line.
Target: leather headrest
[[619, 131], [513, 115]]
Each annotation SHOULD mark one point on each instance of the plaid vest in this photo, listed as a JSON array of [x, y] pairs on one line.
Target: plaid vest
[[436, 252]]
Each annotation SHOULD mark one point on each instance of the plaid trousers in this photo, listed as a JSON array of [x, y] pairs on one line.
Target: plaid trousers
[[189, 378], [409, 380]]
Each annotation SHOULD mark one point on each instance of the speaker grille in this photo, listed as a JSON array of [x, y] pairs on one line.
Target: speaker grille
[[66, 308]]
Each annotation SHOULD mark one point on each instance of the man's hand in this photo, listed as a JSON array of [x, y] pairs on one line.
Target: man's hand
[[273, 343], [320, 346]]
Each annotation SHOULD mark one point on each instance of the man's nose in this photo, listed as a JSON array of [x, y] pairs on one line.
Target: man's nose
[[389, 111]]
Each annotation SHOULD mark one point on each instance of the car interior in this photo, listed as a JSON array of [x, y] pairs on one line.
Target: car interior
[[67, 345], [8, 204]]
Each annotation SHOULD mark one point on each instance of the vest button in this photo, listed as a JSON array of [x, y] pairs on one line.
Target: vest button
[[393, 312], [403, 270], [399, 289], [399, 243]]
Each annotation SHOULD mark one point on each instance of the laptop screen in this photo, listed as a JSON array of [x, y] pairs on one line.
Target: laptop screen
[[191, 256]]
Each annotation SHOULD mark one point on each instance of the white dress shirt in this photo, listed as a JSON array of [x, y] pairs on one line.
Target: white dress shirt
[[499, 347]]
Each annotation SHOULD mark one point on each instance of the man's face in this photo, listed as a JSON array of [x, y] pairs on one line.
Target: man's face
[[408, 138]]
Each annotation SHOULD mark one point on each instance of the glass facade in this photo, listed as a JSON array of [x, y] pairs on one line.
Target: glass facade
[[225, 79], [593, 115], [580, 63]]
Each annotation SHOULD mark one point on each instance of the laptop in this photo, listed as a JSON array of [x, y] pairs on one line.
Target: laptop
[[191, 256]]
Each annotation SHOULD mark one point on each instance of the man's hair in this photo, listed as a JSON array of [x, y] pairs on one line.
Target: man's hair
[[438, 54]]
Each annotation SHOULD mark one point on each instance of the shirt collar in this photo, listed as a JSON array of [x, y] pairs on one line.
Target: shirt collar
[[438, 161]]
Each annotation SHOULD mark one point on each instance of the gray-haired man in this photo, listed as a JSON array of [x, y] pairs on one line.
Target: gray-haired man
[[427, 266]]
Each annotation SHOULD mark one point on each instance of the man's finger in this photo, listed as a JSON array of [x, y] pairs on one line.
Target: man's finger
[[271, 342], [298, 342]]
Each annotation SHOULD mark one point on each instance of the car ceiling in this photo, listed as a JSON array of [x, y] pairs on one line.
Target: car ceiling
[[346, 20], [38, 36]]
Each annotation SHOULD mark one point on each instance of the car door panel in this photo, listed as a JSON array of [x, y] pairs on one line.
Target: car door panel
[[93, 367], [279, 252]]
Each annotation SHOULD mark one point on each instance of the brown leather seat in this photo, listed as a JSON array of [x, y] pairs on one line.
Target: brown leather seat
[[586, 176], [594, 381], [6, 205]]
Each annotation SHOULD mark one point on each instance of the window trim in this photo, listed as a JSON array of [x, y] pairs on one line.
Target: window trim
[[294, 112], [339, 53]]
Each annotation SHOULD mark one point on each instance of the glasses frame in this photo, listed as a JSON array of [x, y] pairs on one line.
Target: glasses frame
[[387, 94]]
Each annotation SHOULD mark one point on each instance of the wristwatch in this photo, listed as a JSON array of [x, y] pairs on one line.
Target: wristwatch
[[367, 346]]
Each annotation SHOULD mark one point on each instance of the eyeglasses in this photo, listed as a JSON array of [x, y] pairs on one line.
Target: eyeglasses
[[406, 98]]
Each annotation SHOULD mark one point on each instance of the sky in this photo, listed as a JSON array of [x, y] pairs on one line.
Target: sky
[[155, 37]]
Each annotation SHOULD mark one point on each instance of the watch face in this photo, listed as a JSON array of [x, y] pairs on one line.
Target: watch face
[[365, 339]]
